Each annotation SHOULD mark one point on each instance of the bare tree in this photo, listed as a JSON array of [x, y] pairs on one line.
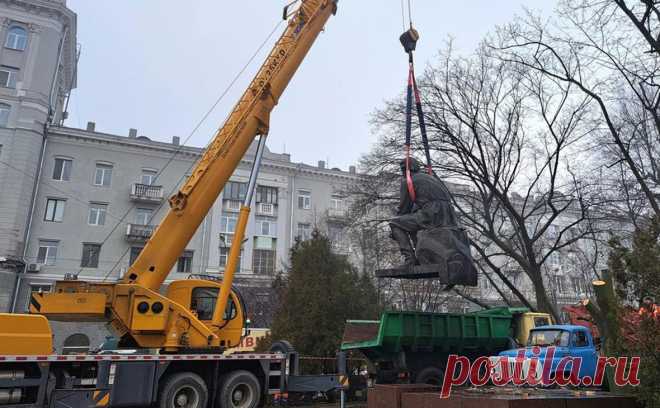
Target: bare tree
[[508, 135], [608, 50]]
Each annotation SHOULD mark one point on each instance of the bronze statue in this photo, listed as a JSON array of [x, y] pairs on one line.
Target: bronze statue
[[427, 230]]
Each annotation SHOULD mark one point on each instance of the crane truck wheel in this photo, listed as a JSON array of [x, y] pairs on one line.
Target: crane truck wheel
[[183, 390], [239, 389], [430, 375]]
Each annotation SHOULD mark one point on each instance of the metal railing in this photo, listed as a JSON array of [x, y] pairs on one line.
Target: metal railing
[[337, 213], [139, 232], [265, 209], [147, 192]]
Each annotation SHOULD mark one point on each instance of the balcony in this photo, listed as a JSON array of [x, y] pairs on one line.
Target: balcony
[[138, 232], [146, 193], [231, 205], [339, 215], [266, 209]]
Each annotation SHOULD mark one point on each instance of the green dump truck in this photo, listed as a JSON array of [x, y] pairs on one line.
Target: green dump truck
[[414, 346]]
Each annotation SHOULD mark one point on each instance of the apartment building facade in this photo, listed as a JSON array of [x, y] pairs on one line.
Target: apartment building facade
[[101, 196], [37, 72]]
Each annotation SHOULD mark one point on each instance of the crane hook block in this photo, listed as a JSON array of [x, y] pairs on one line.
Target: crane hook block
[[409, 40]]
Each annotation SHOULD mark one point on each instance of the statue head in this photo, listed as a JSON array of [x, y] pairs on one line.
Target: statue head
[[415, 165]]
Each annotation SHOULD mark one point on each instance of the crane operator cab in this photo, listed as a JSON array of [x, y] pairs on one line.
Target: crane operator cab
[[201, 296]]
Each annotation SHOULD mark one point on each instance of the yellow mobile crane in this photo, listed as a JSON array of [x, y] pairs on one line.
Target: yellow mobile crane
[[134, 306], [194, 316]]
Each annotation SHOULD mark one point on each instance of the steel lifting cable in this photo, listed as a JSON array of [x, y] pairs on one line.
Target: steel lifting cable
[[409, 41]]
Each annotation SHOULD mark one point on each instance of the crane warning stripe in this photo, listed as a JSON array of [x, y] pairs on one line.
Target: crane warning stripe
[[145, 357]]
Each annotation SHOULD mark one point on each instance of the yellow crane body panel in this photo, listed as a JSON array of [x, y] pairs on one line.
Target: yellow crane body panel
[[79, 306], [24, 334]]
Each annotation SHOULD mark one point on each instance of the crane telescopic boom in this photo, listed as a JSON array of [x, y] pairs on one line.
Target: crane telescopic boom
[[249, 118]]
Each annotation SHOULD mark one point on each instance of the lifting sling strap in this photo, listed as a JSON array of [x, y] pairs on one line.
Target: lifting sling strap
[[409, 42]]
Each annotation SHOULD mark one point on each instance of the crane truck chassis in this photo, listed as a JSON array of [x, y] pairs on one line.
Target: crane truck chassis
[[141, 380]]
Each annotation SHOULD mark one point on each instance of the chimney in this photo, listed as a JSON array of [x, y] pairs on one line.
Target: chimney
[[91, 126], [132, 133], [321, 164], [352, 170], [176, 140]]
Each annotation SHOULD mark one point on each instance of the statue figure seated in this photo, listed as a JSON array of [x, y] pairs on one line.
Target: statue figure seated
[[427, 230]]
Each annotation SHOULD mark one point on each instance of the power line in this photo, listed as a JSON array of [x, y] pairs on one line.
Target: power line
[[197, 126]]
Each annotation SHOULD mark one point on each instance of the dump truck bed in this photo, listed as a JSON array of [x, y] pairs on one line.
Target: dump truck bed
[[449, 332]]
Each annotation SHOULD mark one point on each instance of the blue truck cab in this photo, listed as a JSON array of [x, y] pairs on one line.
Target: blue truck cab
[[567, 340]]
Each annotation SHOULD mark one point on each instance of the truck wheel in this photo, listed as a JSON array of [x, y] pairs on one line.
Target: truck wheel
[[240, 389], [430, 375], [183, 390]]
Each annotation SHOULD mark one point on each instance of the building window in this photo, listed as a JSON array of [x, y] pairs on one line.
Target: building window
[[8, 77], [97, 213], [184, 265], [336, 202], [62, 169], [90, 256], [135, 252], [336, 234], [267, 195], [304, 231], [143, 216], [224, 257], [47, 253], [225, 245], [103, 175], [263, 262], [54, 210], [304, 199], [148, 177], [231, 205], [235, 191], [266, 227], [4, 114], [228, 224], [16, 38]]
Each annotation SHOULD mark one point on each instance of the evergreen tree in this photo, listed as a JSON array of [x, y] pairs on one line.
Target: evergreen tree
[[635, 271], [320, 292]]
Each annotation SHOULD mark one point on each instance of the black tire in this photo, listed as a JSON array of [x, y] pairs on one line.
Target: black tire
[[281, 346], [239, 389], [183, 390], [331, 396], [430, 375]]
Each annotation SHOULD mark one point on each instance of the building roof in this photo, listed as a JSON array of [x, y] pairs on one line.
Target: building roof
[[271, 159]]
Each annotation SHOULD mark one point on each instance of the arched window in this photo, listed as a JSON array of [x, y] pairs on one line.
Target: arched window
[[75, 344], [16, 38], [4, 114]]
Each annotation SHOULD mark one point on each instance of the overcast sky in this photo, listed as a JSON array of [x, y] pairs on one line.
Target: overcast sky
[[159, 65]]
